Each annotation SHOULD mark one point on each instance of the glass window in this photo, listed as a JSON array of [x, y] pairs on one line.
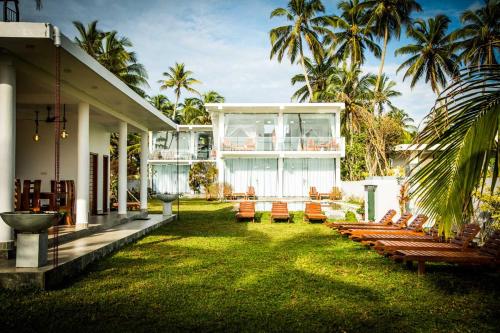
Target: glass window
[[250, 131]]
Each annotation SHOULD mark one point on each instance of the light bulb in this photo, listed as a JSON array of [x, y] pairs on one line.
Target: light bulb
[[64, 134], [36, 137]]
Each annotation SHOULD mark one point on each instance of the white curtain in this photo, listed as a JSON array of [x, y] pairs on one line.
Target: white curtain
[[261, 173], [300, 174], [165, 178]]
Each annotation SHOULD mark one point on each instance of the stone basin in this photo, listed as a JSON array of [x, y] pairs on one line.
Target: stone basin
[[27, 222], [166, 197]]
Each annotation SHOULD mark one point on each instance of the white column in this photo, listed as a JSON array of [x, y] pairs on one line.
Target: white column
[[83, 176], [280, 176], [122, 169], [144, 170], [280, 133], [338, 181], [7, 150], [220, 139]]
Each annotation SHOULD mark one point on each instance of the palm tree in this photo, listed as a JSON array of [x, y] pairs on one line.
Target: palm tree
[[431, 55], [178, 78], [464, 130], [354, 33], [480, 34], [403, 119], [90, 39], [383, 93], [162, 103], [388, 16], [318, 75], [212, 97], [305, 26]]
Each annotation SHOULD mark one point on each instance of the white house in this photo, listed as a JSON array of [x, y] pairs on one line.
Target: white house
[[94, 104]]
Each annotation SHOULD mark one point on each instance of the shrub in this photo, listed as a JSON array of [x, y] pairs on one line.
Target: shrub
[[202, 175], [350, 216]]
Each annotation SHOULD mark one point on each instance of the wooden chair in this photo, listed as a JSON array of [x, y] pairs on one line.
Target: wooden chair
[[311, 145], [66, 200], [460, 242], [385, 220], [279, 211], [334, 146], [251, 193], [17, 195], [313, 212], [249, 144], [335, 194], [31, 195], [415, 228], [431, 236], [313, 193], [246, 210], [488, 254], [402, 222], [227, 145], [228, 193]]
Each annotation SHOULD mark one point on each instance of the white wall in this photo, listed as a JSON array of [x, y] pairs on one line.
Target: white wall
[[99, 144], [386, 196], [353, 188]]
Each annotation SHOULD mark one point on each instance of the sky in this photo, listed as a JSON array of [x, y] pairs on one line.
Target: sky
[[225, 43]]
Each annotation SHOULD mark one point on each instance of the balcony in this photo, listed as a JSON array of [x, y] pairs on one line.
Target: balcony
[[268, 144], [183, 155]]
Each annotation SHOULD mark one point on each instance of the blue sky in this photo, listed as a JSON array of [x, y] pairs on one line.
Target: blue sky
[[224, 42]]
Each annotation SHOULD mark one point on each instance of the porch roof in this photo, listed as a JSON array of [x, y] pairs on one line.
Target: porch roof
[[275, 107], [83, 79]]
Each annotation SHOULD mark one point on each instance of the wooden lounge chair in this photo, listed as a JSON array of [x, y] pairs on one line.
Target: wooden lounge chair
[[372, 239], [228, 193], [251, 193], [415, 228], [246, 211], [402, 222], [313, 212], [313, 193], [488, 254], [461, 242], [385, 220], [279, 211]]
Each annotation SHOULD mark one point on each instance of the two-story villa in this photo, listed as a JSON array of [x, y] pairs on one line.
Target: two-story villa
[[281, 149]]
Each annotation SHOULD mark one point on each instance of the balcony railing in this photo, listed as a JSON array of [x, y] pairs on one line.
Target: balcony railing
[[285, 144], [184, 155]]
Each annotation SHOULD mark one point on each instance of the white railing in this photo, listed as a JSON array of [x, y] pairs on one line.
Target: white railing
[[166, 154], [285, 144]]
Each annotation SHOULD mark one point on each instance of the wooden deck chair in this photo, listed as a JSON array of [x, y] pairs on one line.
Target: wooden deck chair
[[415, 228], [460, 242], [313, 193], [488, 254], [228, 193], [385, 220], [401, 223], [313, 212], [431, 236], [246, 211], [279, 211], [251, 193]]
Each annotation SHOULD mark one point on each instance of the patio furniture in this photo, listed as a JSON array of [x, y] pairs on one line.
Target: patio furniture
[[460, 242], [251, 193], [249, 144], [279, 211], [226, 144], [399, 224], [313, 193], [415, 228], [488, 254], [31, 195], [313, 212], [228, 193], [17, 195], [385, 220], [241, 195], [430, 236], [311, 145], [246, 210], [65, 200]]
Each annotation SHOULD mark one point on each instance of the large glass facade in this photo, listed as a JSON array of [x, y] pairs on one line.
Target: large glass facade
[[164, 178], [250, 132], [261, 173], [192, 145], [299, 174], [309, 132]]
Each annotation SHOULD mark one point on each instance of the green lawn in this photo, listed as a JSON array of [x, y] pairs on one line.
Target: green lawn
[[207, 272]]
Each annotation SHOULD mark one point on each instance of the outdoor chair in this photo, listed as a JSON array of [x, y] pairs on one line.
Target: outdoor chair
[[251, 193], [313, 193], [461, 242], [415, 228], [228, 193], [249, 144], [430, 236], [31, 195], [279, 211], [313, 212], [385, 220], [335, 194], [488, 254], [402, 222], [246, 210], [311, 145]]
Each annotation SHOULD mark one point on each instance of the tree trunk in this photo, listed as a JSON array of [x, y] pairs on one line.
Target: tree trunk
[[381, 67], [308, 84], [177, 96]]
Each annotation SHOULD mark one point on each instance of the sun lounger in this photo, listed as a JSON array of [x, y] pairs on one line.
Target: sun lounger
[[399, 224], [313, 212], [385, 220], [488, 254], [246, 211], [415, 228], [461, 242], [279, 211]]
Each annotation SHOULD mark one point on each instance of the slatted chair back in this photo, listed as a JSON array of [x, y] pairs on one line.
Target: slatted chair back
[[387, 218], [418, 223], [31, 195], [228, 193], [251, 191], [247, 206], [17, 194], [313, 192], [492, 246], [403, 220], [467, 234], [313, 208], [279, 208]]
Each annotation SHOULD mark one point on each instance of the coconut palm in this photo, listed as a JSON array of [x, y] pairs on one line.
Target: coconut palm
[[305, 27], [463, 132], [383, 94], [318, 76], [431, 55], [162, 103], [353, 34], [212, 97], [178, 78], [90, 39], [388, 16], [480, 35], [403, 119]]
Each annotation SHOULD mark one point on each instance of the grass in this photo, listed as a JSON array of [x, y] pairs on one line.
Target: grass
[[207, 272]]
